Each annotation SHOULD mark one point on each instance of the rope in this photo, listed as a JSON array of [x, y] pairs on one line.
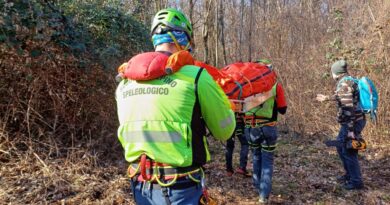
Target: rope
[[239, 85], [135, 172], [249, 82], [196, 180], [165, 184]]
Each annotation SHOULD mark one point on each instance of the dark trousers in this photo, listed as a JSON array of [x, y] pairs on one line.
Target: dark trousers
[[263, 142], [349, 157], [230, 147]]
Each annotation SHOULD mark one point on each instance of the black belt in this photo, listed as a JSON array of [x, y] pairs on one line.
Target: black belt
[[177, 185]]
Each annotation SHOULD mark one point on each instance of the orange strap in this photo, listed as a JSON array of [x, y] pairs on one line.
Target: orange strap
[[253, 122]]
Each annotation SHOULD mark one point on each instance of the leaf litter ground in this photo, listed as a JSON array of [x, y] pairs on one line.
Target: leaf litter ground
[[305, 173]]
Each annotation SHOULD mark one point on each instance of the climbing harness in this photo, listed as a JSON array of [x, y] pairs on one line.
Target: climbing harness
[[252, 121], [156, 175], [146, 170]]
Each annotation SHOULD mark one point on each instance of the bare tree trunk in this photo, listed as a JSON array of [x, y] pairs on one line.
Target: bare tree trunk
[[161, 4], [191, 11], [241, 30], [250, 31], [166, 4], [205, 31], [157, 5], [216, 35], [140, 10], [222, 28]]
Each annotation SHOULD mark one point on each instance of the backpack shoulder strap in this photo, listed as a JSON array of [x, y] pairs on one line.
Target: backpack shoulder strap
[[196, 83], [200, 124], [347, 78]]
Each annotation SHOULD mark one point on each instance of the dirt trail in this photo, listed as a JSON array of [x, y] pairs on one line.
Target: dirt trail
[[304, 173]]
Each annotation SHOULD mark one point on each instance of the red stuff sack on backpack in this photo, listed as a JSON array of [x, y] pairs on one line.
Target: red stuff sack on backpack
[[246, 79]]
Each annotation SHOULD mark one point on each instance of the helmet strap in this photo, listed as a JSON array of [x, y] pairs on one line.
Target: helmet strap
[[175, 41], [187, 46]]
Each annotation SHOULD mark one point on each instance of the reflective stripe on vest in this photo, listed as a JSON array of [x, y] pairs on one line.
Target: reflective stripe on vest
[[151, 136], [226, 122]]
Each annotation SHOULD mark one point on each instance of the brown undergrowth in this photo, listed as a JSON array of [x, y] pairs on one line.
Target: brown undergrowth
[[58, 141], [57, 126], [305, 172]]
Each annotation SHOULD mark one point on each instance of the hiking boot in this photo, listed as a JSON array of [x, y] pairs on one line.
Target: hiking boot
[[229, 172], [243, 172], [263, 200], [350, 186], [342, 179]]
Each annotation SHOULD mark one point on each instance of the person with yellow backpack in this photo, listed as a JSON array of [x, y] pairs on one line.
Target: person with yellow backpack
[[261, 133], [163, 112]]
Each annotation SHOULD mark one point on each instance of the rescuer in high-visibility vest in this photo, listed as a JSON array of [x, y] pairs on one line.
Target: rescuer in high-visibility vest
[[261, 133], [163, 117]]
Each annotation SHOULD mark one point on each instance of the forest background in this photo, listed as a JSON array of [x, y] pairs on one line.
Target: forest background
[[58, 121]]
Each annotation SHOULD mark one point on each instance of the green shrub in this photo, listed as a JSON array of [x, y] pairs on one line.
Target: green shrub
[[114, 35], [104, 31]]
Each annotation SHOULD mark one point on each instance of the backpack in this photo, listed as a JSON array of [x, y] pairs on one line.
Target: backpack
[[246, 79], [167, 65], [368, 95], [246, 84]]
